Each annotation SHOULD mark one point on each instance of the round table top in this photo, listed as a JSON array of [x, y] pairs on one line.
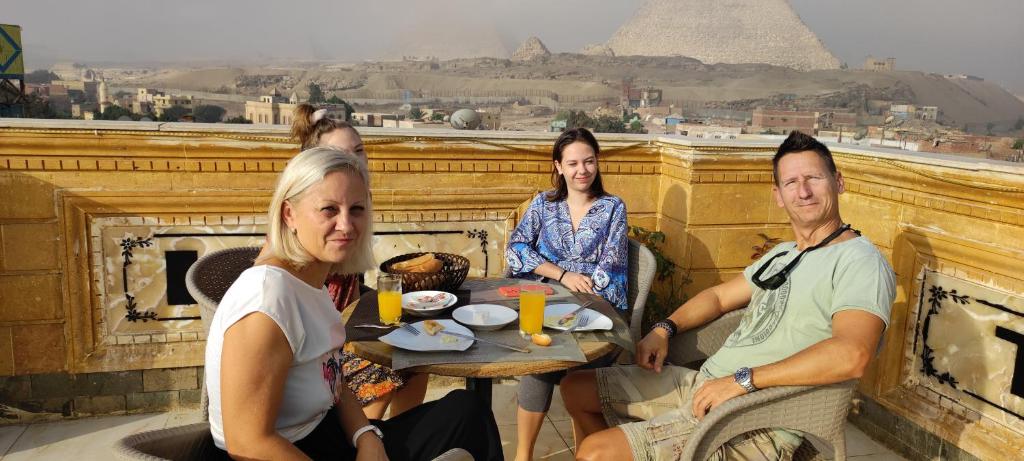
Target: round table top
[[380, 353]]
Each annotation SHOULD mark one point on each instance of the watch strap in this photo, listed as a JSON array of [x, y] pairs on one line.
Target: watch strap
[[745, 378], [367, 428]]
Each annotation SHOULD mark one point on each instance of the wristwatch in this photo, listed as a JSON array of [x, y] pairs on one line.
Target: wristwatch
[[745, 378], [364, 429]]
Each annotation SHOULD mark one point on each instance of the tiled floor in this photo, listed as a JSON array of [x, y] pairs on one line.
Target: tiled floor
[[92, 438]]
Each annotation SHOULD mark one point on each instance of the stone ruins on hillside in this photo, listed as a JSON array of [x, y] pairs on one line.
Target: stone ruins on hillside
[[532, 48], [597, 50], [717, 31]]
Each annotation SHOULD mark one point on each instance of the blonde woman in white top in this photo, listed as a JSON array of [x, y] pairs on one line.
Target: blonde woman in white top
[[276, 328]]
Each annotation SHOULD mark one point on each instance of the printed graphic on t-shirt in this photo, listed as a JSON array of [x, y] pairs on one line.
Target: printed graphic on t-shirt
[[763, 314], [332, 372]]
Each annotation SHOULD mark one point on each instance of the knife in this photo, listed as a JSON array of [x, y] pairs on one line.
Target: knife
[[506, 346], [560, 322]]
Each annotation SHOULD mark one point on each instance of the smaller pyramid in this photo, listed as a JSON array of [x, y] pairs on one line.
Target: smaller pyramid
[[532, 48]]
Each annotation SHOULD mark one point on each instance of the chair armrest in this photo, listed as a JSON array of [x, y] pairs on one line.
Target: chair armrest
[[816, 410], [701, 342]]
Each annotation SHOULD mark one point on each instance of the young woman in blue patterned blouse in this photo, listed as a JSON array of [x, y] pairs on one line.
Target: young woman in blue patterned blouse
[[575, 234]]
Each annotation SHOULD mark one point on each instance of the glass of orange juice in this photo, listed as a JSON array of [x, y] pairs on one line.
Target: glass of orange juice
[[389, 298], [531, 309]]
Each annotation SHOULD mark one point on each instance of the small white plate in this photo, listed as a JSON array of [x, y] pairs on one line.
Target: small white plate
[[424, 342], [411, 303], [553, 312], [485, 316]]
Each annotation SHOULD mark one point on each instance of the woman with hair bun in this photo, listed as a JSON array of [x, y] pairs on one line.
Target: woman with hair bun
[[375, 386]]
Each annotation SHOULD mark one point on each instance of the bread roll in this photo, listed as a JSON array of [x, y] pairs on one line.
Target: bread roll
[[406, 265], [421, 264], [428, 267]]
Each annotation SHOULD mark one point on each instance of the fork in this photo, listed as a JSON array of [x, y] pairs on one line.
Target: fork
[[581, 321], [409, 328]]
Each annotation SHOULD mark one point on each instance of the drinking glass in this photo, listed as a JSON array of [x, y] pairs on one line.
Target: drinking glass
[[531, 309], [389, 298]]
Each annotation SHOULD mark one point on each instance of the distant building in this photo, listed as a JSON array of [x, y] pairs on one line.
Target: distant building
[[650, 112], [367, 119], [557, 126], [392, 120], [880, 65], [79, 110], [700, 131], [163, 102], [903, 111], [271, 109], [828, 119], [673, 120], [928, 113], [143, 103], [102, 97], [640, 97], [79, 91], [783, 121]]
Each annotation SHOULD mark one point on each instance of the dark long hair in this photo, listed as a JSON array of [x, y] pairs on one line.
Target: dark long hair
[[558, 181], [307, 133]]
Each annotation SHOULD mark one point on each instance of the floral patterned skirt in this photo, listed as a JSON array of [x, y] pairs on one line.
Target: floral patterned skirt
[[367, 380]]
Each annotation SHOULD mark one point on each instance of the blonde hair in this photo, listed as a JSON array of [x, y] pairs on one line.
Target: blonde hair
[[304, 171], [308, 131]]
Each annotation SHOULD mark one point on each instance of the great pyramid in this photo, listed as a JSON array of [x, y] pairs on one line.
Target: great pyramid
[[723, 31]]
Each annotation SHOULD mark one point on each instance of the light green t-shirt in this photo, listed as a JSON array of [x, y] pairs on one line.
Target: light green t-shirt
[[779, 323]]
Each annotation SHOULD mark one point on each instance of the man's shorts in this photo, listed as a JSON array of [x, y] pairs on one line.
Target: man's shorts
[[655, 412]]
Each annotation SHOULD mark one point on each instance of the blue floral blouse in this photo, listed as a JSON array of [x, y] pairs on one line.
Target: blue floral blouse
[[598, 249]]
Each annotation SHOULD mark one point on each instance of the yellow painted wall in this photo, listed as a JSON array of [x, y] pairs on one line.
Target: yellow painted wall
[[712, 201]]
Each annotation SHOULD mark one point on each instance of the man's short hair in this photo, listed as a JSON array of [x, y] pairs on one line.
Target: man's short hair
[[799, 142]]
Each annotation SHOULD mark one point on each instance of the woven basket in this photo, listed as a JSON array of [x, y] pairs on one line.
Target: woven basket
[[453, 272]]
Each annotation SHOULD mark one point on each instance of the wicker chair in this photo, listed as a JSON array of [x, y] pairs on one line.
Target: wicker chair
[[211, 276], [207, 281], [819, 411], [642, 267]]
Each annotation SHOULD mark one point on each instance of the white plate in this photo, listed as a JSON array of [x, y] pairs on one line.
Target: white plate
[[420, 309], [485, 316], [553, 312], [424, 342]]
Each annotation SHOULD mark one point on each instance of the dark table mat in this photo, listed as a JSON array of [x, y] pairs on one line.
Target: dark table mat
[[563, 348], [365, 312]]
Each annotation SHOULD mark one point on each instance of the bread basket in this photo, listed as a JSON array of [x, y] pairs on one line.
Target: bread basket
[[453, 272]]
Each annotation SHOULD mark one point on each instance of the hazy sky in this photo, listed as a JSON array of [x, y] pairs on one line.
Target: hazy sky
[[983, 37]]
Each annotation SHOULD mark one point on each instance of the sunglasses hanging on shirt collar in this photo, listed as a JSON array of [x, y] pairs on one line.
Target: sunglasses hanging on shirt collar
[[778, 279]]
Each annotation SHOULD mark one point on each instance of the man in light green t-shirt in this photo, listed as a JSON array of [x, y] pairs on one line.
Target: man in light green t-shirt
[[816, 311]]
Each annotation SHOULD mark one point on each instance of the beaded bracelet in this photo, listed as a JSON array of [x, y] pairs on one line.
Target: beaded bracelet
[[668, 325]]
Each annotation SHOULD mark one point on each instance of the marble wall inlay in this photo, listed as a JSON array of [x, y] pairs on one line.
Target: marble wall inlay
[[970, 345], [133, 272]]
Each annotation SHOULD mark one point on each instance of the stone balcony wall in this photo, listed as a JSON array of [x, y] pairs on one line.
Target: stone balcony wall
[[75, 192]]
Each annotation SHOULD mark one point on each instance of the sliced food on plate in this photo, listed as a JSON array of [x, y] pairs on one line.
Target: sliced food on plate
[[512, 291]]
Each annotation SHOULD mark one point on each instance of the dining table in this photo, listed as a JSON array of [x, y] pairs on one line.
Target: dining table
[[363, 342]]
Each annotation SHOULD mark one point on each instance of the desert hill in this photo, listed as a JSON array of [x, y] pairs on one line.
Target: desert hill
[[581, 79]]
